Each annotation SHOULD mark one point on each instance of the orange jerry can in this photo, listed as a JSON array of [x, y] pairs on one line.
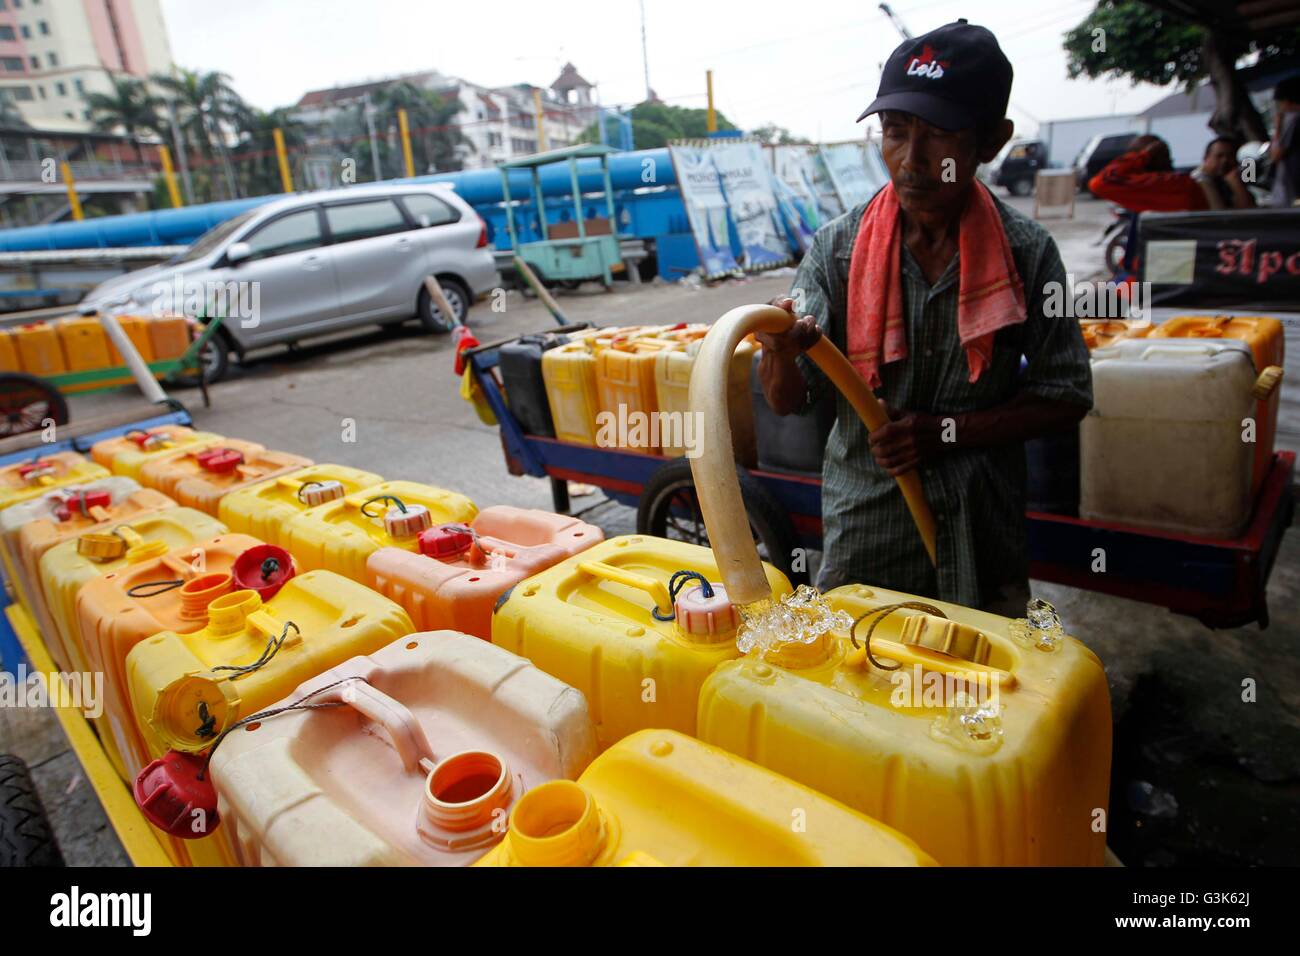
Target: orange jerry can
[[9, 361], [458, 573], [86, 513], [169, 336], [200, 478], [128, 453], [1098, 333], [39, 351], [170, 592]]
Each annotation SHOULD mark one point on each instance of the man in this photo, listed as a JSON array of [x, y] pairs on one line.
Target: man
[[935, 290], [1284, 149], [1143, 179]]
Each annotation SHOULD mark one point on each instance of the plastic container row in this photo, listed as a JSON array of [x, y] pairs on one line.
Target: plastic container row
[[335, 669], [81, 345]]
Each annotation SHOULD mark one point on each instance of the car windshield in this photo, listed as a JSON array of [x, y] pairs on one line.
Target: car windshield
[[213, 237]]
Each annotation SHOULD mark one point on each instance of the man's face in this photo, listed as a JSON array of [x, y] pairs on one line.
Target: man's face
[[931, 168], [1221, 159]]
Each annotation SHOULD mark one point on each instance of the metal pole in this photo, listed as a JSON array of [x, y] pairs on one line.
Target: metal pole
[[712, 126], [180, 152], [169, 175], [278, 135], [73, 201], [139, 370], [405, 128], [369, 111], [645, 57], [541, 120]]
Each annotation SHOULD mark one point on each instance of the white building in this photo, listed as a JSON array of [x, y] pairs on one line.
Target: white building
[[497, 122], [53, 52]]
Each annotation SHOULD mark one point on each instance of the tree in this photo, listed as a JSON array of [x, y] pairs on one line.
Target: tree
[[435, 139], [208, 109], [258, 164], [655, 123], [129, 107], [1128, 38], [770, 134]]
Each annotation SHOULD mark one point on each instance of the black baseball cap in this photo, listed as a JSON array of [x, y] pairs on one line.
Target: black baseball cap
[[955, 77]]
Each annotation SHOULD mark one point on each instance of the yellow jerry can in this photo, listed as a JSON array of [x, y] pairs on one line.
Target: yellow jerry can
[[68, 565], [985, 740], [615, 623], [25, 480], [187, 689], [127, 454], [340, 535], [660, 798], [569, 373], [264, 509]]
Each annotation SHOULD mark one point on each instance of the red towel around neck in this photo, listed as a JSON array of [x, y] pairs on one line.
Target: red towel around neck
[[990, 295]]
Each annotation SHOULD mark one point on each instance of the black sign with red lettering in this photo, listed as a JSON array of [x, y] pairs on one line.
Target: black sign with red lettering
[[1231, 260]]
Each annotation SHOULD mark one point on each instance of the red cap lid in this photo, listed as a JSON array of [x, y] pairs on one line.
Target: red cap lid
[[81, 502], [263, 569], [175, 794], [445, 541], [220, 460]]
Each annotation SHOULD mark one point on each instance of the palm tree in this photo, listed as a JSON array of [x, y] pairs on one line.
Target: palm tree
[[130, 107], [433, 137], [259, 169], [208, 108]]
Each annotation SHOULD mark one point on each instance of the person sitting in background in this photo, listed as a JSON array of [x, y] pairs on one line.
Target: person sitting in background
[[1220, 175], [1284, 150], [1143, 179]]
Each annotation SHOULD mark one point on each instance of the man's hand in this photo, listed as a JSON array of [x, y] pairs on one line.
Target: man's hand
[[907, 441], [800, 337]]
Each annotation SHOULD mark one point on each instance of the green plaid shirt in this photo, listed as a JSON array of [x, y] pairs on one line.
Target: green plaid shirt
[[978, 496]]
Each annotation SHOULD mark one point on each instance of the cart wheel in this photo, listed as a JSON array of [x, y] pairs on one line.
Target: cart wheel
[[669, 508], [25, 836], [26, 402]]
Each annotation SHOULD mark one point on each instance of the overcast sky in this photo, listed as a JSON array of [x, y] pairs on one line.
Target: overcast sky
[[808, 65]]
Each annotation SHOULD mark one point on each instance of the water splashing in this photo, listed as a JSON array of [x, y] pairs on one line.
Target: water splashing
[[801, 617], [1040, 627]]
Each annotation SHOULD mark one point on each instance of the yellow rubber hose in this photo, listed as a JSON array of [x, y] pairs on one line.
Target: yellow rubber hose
[[714, 471]]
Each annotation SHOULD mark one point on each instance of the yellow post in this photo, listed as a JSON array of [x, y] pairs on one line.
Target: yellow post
[[73, 200], [713, 117], [283, 154], [169, 174], [404, 126], [541, 120]]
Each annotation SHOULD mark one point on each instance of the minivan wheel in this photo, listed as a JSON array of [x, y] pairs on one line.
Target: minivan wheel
[[457, 297], [215, 358], [1022, 187]]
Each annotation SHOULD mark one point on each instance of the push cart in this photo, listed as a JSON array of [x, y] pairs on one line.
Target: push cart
[[1220, 582], [27, 401]]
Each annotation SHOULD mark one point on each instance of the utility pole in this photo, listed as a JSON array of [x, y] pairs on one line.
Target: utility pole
[[180, 153], [369, 110], [645, 57]]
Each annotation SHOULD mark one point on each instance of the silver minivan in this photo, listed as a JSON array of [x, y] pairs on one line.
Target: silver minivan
[[316, 263]]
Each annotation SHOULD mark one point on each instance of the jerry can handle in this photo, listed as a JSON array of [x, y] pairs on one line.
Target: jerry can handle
[[657, 590], [403, 729], [1267, 382]]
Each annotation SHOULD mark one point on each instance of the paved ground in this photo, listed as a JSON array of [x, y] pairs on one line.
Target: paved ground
[[1199, 775]]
